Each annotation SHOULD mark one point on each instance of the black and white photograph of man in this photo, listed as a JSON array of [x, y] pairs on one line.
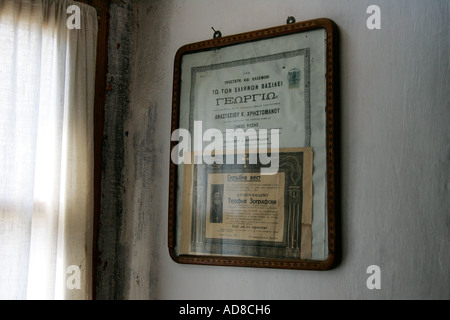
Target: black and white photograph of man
[[216, 206]]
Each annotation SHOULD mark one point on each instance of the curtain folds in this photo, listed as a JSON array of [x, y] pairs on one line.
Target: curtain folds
[[46, 149]]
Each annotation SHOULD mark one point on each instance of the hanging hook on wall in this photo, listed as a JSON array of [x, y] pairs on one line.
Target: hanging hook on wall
[[217, 34], [290, 20]]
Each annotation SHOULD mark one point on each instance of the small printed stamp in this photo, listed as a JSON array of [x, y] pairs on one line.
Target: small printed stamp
[[294, 77]]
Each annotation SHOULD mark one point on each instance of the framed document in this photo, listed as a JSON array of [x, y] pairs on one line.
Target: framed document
[[253, 149]]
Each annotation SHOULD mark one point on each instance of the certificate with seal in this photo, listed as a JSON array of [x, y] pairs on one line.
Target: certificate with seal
[[254, 116]]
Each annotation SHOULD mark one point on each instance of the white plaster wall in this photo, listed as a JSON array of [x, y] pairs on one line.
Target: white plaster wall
[[395, 151]]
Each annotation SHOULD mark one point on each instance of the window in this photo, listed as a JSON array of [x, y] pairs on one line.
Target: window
[[47, 90]]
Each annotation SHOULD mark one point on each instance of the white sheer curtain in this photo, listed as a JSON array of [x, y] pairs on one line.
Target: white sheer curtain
[[46, 149]]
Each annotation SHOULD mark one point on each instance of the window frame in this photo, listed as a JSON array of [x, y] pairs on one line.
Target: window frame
[[102, 7]]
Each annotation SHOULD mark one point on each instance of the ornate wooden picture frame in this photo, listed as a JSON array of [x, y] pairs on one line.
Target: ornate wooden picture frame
[[253, 172]]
